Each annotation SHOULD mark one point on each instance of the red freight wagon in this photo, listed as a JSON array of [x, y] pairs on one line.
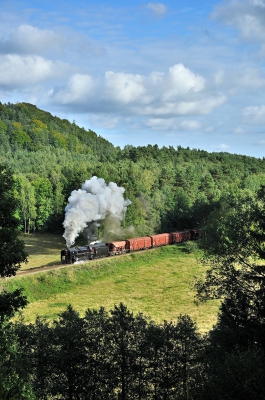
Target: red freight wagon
[[117, 247], [181, 236], [161, 239], [138, 243]]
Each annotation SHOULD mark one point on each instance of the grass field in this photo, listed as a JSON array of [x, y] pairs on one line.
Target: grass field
[[158, 283], [43, 249]]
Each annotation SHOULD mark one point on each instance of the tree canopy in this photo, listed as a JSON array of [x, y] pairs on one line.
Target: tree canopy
[[12, 249], [234, 244], [170, 188]]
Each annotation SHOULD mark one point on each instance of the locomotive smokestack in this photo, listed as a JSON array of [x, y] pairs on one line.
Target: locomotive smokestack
[[95, 202]]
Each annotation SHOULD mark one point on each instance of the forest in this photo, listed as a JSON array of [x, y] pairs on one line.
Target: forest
[[169, 188], [114, 354]]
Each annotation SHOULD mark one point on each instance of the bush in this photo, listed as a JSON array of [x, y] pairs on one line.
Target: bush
[[190, 247]]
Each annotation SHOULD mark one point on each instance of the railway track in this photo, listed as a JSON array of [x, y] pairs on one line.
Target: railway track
[[47, 268], [44, 268]]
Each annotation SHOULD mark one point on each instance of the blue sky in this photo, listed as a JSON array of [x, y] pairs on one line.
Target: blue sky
[[170, 73]]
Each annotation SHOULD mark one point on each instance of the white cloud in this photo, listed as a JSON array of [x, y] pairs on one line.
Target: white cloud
[[254, 115], [182, 81], [79, 88], [157, 8], [124, 88], [19, 71], [246, 15], [160, 95], [27, 39]]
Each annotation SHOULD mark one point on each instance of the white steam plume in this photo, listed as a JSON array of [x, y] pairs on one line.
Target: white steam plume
[[96, 201]]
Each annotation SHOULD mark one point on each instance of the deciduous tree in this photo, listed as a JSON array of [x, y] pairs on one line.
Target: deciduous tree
[[12, 249]]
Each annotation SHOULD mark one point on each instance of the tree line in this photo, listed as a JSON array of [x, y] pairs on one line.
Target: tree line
[[119, 355], [107, 355]]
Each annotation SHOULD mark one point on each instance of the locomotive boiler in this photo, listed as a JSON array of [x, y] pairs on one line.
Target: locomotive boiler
[[90, 252]]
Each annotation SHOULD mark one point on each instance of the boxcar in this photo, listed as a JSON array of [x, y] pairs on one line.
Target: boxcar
[[162, 239], [182, 236], [139, 243]]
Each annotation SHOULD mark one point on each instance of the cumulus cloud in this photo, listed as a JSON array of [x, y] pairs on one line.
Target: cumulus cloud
[[78, 89], [18, 71], [247, 16], [124, 88], [177, 92], [181, 81], [158, 9], [203, 105], [254, 115], [27, 39]]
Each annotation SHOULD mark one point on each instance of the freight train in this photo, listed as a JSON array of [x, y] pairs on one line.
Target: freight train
[[98, 250]]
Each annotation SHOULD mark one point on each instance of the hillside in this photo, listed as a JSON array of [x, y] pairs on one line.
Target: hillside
[[158, 282], [24, 126]]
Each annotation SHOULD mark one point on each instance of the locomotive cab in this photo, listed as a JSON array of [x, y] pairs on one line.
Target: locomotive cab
[[99, 250], [72, 255]]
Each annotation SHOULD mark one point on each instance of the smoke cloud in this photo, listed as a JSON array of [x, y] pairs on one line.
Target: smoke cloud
[[95, 203]]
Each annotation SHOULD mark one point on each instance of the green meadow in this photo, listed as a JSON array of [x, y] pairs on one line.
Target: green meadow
[[159, 283]]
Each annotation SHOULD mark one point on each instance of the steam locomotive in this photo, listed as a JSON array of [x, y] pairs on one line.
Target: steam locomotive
[[98, 250]]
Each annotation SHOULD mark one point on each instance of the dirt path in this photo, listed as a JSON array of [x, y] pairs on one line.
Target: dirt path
[[41, 269]]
